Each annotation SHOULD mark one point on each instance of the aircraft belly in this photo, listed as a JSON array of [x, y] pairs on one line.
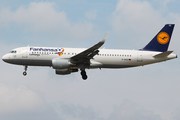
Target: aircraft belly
[[116, 66], [30, 62]]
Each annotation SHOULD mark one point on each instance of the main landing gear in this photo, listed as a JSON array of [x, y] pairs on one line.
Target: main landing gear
[[25, 68], [83, 73]]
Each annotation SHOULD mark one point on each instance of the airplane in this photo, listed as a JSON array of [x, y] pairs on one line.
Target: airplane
[[69, 60]]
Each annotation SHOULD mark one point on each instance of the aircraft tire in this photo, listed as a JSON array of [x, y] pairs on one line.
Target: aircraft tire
[[83, 73], [84, 77], [24, 73]]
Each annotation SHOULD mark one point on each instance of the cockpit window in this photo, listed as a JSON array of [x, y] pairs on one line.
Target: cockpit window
[[13, 51]]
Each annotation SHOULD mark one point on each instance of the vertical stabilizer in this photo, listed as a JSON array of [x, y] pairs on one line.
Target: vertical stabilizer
[[161, 41]]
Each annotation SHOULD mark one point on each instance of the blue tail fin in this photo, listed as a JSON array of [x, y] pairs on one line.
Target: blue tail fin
[[161, 41]]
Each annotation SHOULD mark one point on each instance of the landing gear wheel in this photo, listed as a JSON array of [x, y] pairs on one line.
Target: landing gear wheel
[[25, 68], [84, 77], [24, 73], [83, 73]]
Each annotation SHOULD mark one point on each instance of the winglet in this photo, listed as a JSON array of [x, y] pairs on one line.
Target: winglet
[[104, 38]]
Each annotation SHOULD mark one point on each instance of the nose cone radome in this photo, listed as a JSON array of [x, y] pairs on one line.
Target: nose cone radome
[[5, 58]]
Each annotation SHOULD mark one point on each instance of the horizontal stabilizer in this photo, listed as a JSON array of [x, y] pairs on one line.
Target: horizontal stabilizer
[[164, 54]]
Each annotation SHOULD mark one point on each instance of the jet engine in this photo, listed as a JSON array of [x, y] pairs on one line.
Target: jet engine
[[60, 63], [62, 66], [65, 71]]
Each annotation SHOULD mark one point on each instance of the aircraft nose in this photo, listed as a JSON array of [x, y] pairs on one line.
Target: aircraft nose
[[5, 58]]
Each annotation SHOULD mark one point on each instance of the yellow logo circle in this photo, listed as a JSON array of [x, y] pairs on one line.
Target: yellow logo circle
[[163, 38]]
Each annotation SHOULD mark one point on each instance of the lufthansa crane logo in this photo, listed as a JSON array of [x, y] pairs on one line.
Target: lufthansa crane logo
[[163, 38]]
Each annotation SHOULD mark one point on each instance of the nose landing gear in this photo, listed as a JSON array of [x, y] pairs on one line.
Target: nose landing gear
[[25, 68]]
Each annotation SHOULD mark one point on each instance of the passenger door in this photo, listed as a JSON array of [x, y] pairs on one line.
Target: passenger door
[[139, 56], [25, 53]]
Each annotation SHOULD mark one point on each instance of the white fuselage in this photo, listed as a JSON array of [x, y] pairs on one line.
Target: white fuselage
[[107, 58]]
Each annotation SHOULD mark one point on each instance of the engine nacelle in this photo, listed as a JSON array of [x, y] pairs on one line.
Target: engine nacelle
[[65, 71], [60, 63]]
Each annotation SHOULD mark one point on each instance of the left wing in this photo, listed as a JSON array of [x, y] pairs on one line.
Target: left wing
[[89, 53]]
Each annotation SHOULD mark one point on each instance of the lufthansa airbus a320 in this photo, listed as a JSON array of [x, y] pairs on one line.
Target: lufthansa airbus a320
[[68, 60]]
